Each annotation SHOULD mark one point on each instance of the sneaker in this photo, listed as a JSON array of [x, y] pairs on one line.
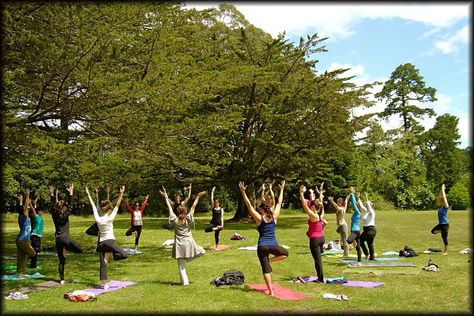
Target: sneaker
[[62, 282]]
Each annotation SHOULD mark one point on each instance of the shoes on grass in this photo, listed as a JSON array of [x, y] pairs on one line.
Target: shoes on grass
[[338, 297], [16, 296]]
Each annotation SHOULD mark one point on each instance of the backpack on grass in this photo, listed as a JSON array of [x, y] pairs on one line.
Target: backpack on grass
[[407, 252], [230, 277]]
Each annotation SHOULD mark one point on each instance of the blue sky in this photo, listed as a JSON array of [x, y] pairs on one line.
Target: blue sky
[[373, 39]]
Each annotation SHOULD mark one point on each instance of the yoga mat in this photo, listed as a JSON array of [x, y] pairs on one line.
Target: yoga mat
[[380, 272], [219, 247], [9, 267], [113, 286], [130, 251], [372, 264], [279, 292], [363, 284], [332, 252], [14, 277], [37, 287], [248, 248], [376, 259]]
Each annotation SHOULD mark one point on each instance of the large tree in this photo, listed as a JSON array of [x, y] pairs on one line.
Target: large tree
[[402, 92]]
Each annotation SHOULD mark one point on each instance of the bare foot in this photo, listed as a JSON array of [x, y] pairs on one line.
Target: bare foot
[[62, 282], [358, 264], [270, 293], [445, 253]]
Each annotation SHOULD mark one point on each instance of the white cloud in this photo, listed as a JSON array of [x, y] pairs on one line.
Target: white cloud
[[451, 42], [337, 20]]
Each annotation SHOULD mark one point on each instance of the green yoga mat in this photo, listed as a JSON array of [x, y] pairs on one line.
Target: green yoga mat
[[380, 272], [9, 267], [14, 277]]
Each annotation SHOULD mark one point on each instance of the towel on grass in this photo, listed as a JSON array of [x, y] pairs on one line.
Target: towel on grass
[[130, 251], [14, 277], [279, 292]]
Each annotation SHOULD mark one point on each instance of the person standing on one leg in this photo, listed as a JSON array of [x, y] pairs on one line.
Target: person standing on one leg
[[342, 228], [137, 219], [23, 244], [37, 232], [267, 242], [369, 232], [60, 210], [443, 223], [355, 226], [107, 244], [184, 247], [217, 221], [176, 203], [316, 222]]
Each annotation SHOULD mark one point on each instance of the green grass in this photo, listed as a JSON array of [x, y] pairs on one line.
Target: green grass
[[156, 273]]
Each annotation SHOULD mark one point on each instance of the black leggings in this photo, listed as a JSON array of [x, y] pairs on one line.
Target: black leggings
[[444, 228], [316, 247], [264, 251], [36, 244], [368, 236], [105, 246], [210, 228], [70, 245], [137, 229], [355, 235]]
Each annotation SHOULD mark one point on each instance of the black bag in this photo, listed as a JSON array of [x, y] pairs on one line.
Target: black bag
[[93, 230], [407, 252], [231, 277]]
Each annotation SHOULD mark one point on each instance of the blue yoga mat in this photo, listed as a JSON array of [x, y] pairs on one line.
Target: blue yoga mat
[[14, 277], [376, 259]]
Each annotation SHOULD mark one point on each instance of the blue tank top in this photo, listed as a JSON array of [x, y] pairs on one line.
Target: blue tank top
[[355, 218], [24, 223], [443, 215], [267, 233]]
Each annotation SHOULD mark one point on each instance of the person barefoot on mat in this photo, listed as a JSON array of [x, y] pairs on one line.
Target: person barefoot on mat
[[267, 242], [217, 221], [342, 229], [369, 232], [23, 243], [60, 210], [184, 247], [315, 232], [137, 219], [107, 244], [355, 226], [443, 223]]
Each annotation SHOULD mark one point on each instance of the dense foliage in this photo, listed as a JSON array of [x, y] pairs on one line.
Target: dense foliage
[[151, 94]]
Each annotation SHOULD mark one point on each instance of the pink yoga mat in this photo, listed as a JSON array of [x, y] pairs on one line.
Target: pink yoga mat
[[219, 247], [279, 292], [113, 286]]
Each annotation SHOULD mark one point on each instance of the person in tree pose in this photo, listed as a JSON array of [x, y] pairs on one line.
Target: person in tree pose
[[355, 226], [184, 247], [443, 223], [217, 221], [342, 229], [267, 242], [369, 232], [37, 233], [107, 245], [23, 244], [316, 223], [136, 219], [60, 210], [177, 202]]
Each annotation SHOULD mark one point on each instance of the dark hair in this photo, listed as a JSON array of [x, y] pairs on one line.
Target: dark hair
[[182, 210], [105, 206], [266, 207]]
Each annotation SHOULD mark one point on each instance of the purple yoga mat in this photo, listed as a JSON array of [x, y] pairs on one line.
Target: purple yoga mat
[[113, 286], [363, 284]]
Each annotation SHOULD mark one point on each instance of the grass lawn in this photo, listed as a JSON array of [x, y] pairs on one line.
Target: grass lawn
[[158, 288]]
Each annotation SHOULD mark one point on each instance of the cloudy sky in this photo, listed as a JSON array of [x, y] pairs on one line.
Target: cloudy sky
[[373, 39]]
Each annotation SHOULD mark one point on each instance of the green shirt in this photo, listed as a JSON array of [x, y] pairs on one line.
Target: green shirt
[[38, 231]]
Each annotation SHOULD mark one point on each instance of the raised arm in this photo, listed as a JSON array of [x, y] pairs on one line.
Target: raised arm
[[27, 202], [19, 207], [70, 190], [443, 195], [117, 204], [272, 195], [370, 209], [94, 208], [167, 201], [312, 215], [276, 211], [212, 196], [107, 189], [196, 200], [144, 204], [189, 195], [353, 201], [256, 217], [361, 204], [129, 209], [331, 199], [51, 194]]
